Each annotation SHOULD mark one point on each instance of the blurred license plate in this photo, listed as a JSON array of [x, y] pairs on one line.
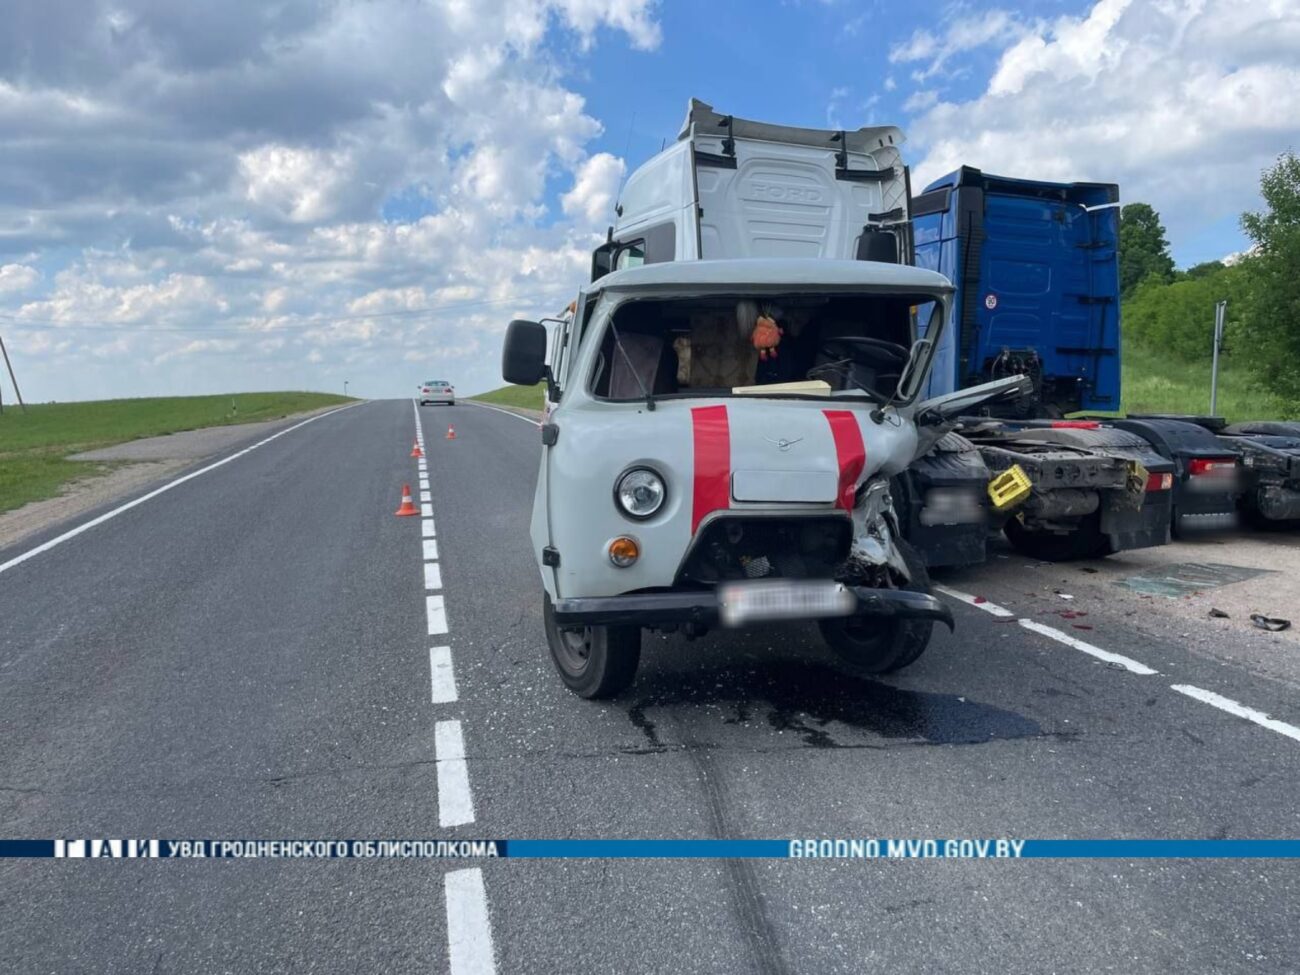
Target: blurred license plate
[[753, 602]]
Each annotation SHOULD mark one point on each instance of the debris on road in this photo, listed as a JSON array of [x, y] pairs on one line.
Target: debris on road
[[1272, 623], [1189, 578], [1218, 614]]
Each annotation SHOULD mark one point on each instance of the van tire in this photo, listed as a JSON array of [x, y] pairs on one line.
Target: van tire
[[593, 661], [866, 648]]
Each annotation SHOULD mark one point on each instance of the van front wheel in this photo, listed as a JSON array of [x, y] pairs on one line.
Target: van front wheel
[[866, 647], [593, 661]]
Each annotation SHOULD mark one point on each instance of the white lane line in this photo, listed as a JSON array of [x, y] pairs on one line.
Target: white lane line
[[424, 484], [1240, 710], [432, 577], [437, 614], [426, 496], [426, 527], [430, 549], [517, 416], [1111, 658], [426, 510], [441, 675], [979, 602], [469, 928], [455, 804], [73, 533]]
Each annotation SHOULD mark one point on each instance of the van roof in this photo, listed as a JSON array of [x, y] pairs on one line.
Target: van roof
[[772, 274]]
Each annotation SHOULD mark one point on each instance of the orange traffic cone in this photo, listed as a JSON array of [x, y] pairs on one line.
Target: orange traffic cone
[[408, 507], [451, 433], [415, 450]]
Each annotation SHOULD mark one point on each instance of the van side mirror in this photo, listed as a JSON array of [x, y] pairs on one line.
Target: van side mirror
[[523, 357]]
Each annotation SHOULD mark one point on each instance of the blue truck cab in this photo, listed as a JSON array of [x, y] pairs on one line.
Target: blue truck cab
[[1035, 265], [1036, 268]]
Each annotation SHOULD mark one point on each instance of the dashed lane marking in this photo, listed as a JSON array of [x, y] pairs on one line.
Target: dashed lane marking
[[432, 577], [426, 527], [1132, 666], [430, 548], [1240, 710], [426, 510], [442, 678], [979, 602], [455, 804], [437, 614], [469, 928], [426, 496]]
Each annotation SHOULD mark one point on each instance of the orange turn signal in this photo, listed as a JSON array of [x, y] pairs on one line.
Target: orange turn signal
[[623, 551]]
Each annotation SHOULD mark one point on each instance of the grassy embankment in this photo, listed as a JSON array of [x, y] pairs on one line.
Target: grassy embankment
[[1154, 383], [34, 446], [528, 397]]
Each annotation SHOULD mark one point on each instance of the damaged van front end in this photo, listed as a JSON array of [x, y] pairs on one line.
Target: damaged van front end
[[691, 478]]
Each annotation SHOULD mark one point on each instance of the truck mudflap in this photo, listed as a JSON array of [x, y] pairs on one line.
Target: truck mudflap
[[702, 607]]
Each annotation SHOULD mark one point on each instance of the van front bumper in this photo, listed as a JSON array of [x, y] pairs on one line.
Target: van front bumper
[[667, 608]]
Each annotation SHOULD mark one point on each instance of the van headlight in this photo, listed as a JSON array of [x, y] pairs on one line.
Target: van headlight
[[640, 492]]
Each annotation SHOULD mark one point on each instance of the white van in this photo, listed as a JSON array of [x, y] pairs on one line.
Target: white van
[[692, 475]]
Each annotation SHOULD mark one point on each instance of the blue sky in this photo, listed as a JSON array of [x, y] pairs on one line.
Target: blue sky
[[201, 198]]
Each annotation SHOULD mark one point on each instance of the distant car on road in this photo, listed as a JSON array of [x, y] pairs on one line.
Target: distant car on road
[[437, 391]]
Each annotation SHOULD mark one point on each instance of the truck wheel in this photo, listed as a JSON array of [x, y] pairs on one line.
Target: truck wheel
[[865, 646], [593, 661], [1086, 541]]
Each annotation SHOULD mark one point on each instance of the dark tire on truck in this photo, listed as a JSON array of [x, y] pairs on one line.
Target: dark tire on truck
[[593, 661], [865, 647], [1087, 541]]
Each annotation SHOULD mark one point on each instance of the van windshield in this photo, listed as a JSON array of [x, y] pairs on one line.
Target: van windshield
[[714, 345]]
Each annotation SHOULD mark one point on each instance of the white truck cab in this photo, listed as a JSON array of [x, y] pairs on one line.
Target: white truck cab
[[731, 188], [717, 450]]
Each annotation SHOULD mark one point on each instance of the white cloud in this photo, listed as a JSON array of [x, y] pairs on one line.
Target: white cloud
[[595, 188], [300, 184], [919, 101], [260, 194], [1181, 103], [17, 277], [962, 32]]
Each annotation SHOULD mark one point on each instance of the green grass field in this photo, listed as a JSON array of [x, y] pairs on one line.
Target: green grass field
[[529, 397], [1154, 383], [34, 446]]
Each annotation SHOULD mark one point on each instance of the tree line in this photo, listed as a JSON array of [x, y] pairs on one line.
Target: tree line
[[1172, 310]]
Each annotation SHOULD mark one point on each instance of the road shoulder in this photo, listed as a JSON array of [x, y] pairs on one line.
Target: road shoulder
[[133, 467]]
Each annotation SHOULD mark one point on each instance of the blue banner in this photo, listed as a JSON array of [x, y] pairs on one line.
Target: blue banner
[[998, 848]]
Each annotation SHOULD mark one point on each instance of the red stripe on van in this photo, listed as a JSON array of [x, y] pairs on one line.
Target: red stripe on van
[[850, 451], [712, 435]]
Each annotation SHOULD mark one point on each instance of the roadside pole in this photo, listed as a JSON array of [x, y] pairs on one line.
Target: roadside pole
[[1220, 310], [8, 365]]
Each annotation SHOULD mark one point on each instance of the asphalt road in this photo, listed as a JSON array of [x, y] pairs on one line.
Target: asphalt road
[[248, 655]]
